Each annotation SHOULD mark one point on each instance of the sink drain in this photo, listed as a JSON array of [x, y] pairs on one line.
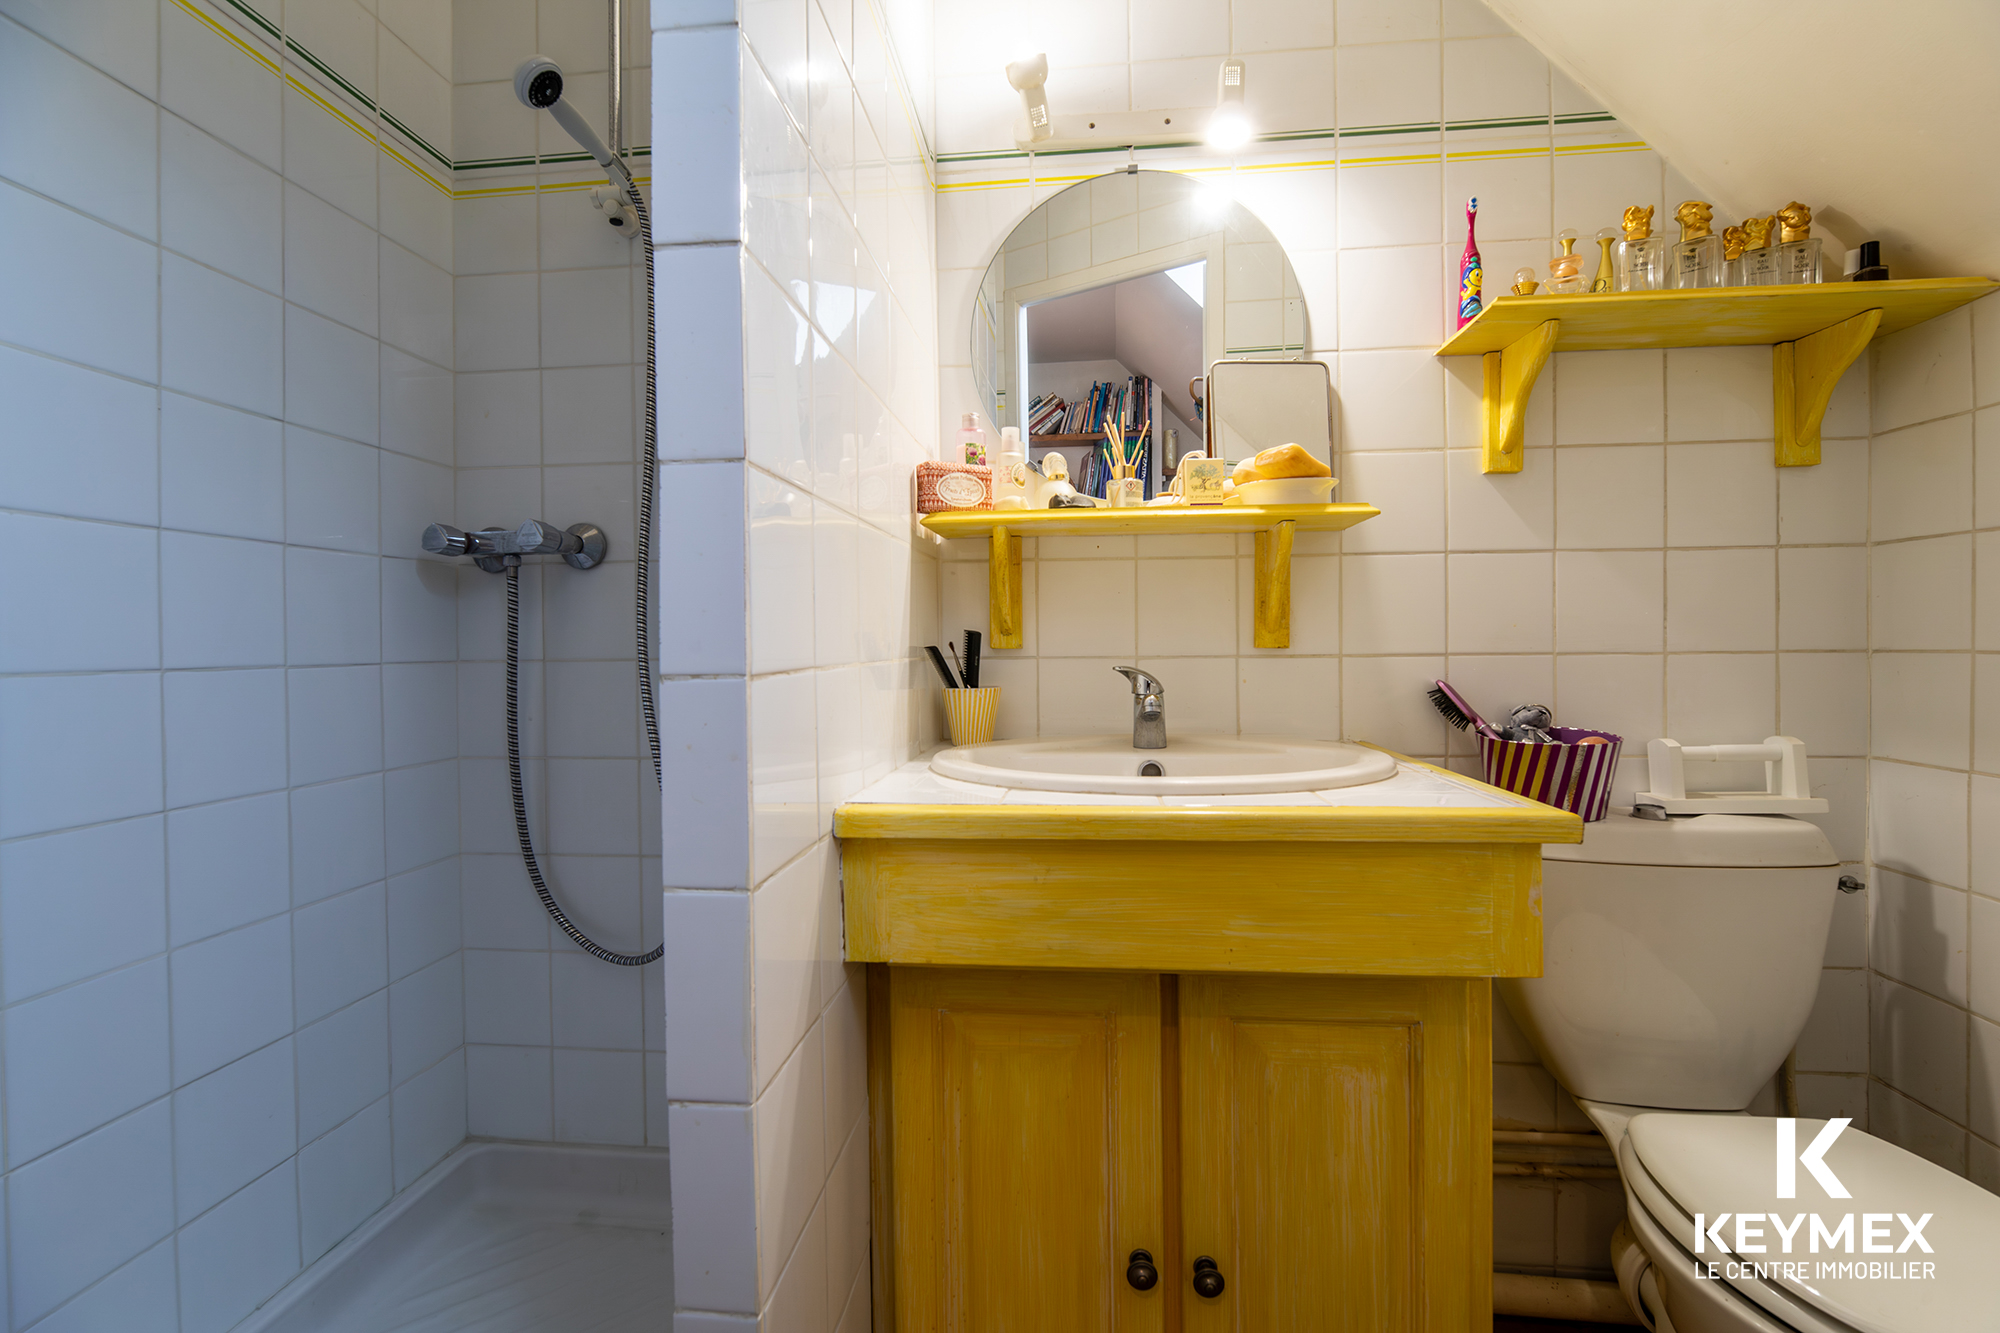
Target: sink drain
[[1152, 769]]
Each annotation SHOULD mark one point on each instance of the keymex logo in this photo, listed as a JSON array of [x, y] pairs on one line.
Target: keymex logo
[[1875, 1231]]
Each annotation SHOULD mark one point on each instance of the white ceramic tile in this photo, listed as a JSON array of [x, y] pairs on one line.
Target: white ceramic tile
[[1721, 698], [1610, 497], [1503, 512], [1390, 205], [1816, 701], [697, 87], [1395, 84], [1186, 607], [1390, 297], [1610, 601], [707, 996], [423, 918], [1497, 603], [428, 1118], [594, 1005], [497, 320], [1610, 397], [1621, 693], [419, 704], [337, 837], [416, 310], [591, 807], [236, 1256], [343, 1178], [1918, 707], [75, 904], [1409, 489], [599, 1096], [82, 113], [107, 467], [788, 1123], [1494, 78], [96, 1203], [231, 1127], [49, 1099], [1920, 480], [1924, 372], [330, 261], [706, 819], [1920, 594], [225, 734], [102, 313], [219, 206], [587, 415], [222, 602], [336, 722], [1392, 604], [220, 338], [1918, 821], [1827, 503], [139, 1295], [70, 721], [231, 995], [1513, 194], [421, 815], [1382, 701], [506, 997], [1720, 601], [343, 1065], [84, 596], [221, 471], [716, 1212], [332, 376], [782, 770], [586, 317], [1721, 495], [1719, 393], [509, 1091], [1918, 935], [1391, 400], [1917, 1044], [1821, 599]]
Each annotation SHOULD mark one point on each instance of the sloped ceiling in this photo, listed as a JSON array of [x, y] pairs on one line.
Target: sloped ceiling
[[1881, 117]]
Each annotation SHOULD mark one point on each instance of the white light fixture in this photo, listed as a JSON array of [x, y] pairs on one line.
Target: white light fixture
[[1028, 76], [1229, 127], [1226, 126]]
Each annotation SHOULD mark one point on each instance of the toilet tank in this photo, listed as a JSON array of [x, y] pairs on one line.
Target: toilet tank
[[1680, 957]]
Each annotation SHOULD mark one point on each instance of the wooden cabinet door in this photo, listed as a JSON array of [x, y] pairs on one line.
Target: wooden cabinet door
[[1336, 1153], [1027, 1150]]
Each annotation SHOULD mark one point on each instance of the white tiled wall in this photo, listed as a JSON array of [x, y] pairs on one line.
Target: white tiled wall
[[549, 306], [790, 536], [229, 931], [1932, 1002], [1648, 572]]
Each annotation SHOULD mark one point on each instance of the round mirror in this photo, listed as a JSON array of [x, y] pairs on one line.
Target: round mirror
[[1110, 298]]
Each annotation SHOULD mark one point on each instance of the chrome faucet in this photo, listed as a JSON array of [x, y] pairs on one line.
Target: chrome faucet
[[581, 545], [1149, 709]]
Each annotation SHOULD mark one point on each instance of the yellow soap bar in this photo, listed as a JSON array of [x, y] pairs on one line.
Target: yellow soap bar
[[1289, 460], [1245, 471]]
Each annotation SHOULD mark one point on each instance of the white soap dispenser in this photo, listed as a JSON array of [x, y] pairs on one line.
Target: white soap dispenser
[[1010, 473]]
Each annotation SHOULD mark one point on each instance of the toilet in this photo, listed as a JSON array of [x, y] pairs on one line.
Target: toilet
[[1681, 959]]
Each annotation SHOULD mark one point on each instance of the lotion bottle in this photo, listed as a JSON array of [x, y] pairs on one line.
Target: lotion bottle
[[1010, 472]]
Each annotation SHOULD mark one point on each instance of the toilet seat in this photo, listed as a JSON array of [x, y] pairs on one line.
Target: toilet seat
[[1678, 1165]]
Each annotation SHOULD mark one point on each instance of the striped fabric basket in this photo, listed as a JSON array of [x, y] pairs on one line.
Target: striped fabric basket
[[1565, 774], [970, 714]]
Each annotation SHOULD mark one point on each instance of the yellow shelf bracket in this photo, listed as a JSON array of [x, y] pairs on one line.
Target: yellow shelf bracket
[[1274, 586], [1003, 590], [1510, 378], [1803, 376]]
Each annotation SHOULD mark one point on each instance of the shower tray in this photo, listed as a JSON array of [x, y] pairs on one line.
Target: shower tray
[[499, 1238]]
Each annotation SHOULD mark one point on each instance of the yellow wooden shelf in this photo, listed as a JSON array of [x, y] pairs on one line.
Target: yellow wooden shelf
[[1273, 524], [1814, 332]]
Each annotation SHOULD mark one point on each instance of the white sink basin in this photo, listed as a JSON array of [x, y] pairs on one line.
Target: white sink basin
[[1189, 766]]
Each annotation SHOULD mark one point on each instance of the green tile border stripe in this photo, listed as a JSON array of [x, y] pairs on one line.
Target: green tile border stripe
[[1298, 136]]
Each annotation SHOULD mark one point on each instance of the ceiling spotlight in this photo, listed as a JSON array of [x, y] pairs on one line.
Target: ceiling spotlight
[[1229, 126], [1028, 76]]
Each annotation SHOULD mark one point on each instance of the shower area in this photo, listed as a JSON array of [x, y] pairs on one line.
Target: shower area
[[356, 972]]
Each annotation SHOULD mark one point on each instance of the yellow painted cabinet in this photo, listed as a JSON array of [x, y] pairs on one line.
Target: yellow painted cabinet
[[1318, 1137]]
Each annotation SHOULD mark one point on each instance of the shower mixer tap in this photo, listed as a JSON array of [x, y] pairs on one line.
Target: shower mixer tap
[[581, 545]]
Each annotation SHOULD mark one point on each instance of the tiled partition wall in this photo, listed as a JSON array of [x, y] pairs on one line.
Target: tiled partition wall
[[1649, 571], [550, 328], [797, 321], [1934, 626], [228, 802]]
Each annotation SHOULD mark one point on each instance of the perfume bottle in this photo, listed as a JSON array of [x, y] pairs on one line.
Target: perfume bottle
[[1639, 263], [1798, 249], [1566, 268], [1733, 239], [1869, 263], [1524, 282], [1696, 258], [1471, 274], [1759, 265], [1602, 282]]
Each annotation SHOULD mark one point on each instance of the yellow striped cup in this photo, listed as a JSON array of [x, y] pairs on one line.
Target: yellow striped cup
[[971, 714]]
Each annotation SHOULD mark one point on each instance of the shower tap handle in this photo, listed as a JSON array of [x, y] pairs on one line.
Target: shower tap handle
[[538, 538], [444, 539]]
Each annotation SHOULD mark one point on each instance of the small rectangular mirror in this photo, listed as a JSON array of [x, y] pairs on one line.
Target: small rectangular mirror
[[1257, 405]]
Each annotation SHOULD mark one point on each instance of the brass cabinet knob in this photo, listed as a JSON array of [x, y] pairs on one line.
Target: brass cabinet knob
[[1207, 1278], [1140, 1272]]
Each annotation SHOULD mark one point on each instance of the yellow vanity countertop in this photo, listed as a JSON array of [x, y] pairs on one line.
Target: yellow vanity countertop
[[1426, 873]]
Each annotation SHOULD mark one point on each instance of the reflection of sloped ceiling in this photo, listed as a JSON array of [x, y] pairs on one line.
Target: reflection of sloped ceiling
[[1149, 325], [1879, 117]]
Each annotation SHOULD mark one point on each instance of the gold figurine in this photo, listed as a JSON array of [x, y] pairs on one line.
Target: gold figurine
[[1638, 222], [1694, 217], [1757, 232], [1796, 220]]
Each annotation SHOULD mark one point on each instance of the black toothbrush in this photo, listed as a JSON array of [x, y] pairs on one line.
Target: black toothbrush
[[972, 659], [943, 669]]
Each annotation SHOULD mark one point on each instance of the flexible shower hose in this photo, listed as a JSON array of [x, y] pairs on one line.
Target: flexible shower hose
[[642, 620]]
